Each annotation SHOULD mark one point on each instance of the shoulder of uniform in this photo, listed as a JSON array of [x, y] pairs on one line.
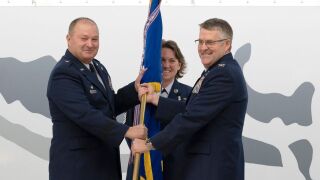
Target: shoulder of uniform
[[66, 61], [96, 62], [63, 63], [221, 65], [185, 86]]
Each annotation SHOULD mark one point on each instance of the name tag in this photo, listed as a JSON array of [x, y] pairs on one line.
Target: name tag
[[92, 91]]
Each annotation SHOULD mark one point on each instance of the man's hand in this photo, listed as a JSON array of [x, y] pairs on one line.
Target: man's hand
[[139, 131], [139, 146], [143, 89], [139, 77], [148, 89], [153, 98]]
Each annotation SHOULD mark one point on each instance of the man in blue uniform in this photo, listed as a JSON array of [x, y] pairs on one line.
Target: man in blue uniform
[[209, 126], [83, 106]]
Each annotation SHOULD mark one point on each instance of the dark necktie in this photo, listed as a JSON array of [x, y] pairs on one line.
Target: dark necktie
[[164, 93], [204, 73], [92, 68]]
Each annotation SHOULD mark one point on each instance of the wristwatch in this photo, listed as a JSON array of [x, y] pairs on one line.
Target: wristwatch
[[149, 145]]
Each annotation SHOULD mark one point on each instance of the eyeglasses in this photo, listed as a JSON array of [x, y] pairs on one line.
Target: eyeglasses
[[208, 43]]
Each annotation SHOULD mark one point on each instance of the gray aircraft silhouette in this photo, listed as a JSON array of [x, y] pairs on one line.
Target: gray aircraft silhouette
[[303, 152], [26, 82], [34, 143], [266, 106], [290, 109]]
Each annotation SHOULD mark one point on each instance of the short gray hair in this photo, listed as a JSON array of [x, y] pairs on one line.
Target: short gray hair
[[75, 21], [220, 25]]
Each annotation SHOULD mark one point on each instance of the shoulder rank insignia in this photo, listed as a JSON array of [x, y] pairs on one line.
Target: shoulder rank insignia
[[221, 65]]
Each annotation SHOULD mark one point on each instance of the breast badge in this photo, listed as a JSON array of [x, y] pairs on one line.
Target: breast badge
[[92, 91]]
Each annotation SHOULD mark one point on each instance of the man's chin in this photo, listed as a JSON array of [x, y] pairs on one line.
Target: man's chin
[[205, 61], [87, 59], [89, 54]]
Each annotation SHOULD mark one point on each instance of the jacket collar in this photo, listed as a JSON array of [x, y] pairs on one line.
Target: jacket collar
[[223, 60]]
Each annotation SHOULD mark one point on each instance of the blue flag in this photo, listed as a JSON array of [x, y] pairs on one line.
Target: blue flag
[[151, 162]]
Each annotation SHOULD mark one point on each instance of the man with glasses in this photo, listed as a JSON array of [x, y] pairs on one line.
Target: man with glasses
[[209, 125]]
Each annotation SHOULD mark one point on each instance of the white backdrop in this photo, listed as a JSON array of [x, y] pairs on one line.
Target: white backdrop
[[281, 43]]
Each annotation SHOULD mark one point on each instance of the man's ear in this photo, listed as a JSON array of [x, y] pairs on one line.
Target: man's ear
[[228, 45], [68, 38]]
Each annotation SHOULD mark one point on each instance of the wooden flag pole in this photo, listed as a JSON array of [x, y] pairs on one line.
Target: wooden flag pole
[[138, 155]]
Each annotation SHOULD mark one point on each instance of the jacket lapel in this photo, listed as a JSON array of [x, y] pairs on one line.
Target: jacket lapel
[[94, 80], [106, 81], [92, 77], [174, 92]]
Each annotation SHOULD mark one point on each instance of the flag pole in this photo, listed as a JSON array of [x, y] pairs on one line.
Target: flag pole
[[138, 155]]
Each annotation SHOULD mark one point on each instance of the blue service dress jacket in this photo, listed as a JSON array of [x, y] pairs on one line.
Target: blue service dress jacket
[[208, 128], [86, 136], [179, 92]]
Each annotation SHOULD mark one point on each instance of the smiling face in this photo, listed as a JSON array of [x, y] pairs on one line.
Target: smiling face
[[83, 41], [212, 46], [170, 65]]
